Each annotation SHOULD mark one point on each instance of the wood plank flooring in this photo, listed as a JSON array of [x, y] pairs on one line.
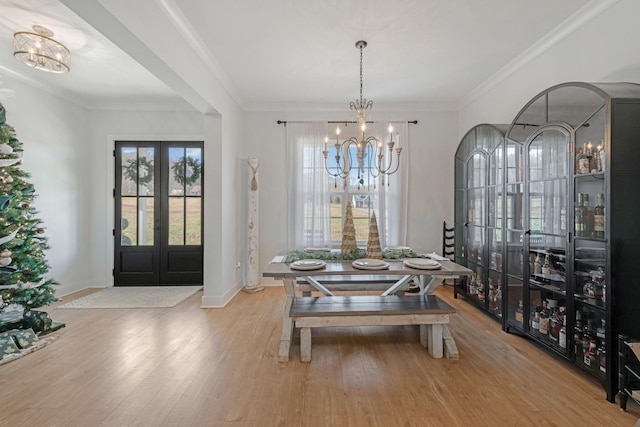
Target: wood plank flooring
[[187, 366]]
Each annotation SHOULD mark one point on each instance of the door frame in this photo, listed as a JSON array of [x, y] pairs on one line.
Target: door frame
[[165, 254]]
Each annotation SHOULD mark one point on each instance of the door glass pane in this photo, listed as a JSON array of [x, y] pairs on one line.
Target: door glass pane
[[495, 167], [547, 206], [475, 243], [590, 145], [476, 171], [176, 168], [573, 104], [475, 206], [176, 221], [146, 221], [532, 117], [515, 254], [145, 168], [128, 172], [515, 163], [128, 226], [193, 171], [194, 225], [548, 154]]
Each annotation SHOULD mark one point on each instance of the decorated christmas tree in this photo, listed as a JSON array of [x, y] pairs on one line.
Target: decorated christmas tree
[[23, 268]]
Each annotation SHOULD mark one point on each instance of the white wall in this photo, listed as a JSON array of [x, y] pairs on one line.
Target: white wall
[[605, 49], [54, 136], [432, 146]]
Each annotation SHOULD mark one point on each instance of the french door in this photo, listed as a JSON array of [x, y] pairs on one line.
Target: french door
[[158, 213]]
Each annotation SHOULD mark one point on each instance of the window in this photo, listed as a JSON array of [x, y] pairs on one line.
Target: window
[[318, 201]]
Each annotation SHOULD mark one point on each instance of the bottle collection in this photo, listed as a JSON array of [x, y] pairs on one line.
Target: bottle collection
[[589, 340], [492, 295], [589, 223], [590, 160], [548, 322], [594, 288]]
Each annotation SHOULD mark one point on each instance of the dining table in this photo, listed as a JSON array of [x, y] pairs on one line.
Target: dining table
[[396, 277]]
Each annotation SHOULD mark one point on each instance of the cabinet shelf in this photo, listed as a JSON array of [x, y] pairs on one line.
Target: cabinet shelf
[[591, 302], [550, 288]]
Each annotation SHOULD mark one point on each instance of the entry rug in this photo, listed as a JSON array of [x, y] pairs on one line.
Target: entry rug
[[134, 297]]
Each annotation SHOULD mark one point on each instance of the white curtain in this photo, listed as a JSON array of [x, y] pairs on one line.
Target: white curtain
[[307, 186], [308, 191]]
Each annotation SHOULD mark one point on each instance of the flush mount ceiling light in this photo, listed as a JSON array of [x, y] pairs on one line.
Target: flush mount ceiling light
[[38, 50]]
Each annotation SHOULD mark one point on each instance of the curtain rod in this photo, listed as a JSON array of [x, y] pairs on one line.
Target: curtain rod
[[284, 122]]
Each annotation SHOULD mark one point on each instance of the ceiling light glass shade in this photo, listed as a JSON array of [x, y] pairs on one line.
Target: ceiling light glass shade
[[39, 50]]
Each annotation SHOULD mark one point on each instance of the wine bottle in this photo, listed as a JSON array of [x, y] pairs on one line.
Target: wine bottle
[[603, 157], [582, 163], [562, 335], [520, 312], [598, 217], [580, 216], [544, 319]]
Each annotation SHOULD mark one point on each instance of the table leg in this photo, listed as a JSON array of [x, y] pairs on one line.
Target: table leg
[[287, 322], [429, 287], [403, 281]]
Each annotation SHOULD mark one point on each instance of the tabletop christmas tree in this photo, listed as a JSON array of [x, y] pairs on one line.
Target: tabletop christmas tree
[[23, 268]]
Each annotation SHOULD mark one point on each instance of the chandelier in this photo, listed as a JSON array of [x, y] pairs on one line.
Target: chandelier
[[368, 150], [38, 50]]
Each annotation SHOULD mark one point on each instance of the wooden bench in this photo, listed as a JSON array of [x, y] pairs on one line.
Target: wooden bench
[[428, 311]]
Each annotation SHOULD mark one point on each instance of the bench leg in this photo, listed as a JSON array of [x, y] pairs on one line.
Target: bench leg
[[305, 344], [434, 340], [450, 347]]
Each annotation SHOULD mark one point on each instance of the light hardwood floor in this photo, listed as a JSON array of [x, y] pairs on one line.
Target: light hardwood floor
[[188, 366]]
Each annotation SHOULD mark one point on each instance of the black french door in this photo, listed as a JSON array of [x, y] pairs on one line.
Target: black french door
[[158, 213]]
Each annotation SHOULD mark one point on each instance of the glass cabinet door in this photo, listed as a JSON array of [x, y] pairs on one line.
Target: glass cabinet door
[[476, 226], [514, 235], [547, 173]]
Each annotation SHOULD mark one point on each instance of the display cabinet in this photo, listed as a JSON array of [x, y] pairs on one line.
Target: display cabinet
[[570, 234], [479, 212]]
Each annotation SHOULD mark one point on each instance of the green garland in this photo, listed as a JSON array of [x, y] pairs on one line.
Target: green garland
[[179, 173], [387, 254], [130, 171]]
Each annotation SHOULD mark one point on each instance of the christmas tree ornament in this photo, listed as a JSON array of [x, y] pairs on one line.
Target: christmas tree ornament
[[374, 250], [349, 242], [6, 253]]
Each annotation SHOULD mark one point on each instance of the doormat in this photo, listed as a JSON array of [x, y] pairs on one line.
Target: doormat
[[134, 297]]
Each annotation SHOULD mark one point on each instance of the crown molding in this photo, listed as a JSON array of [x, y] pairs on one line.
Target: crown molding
[[559, 33], [343, 107]]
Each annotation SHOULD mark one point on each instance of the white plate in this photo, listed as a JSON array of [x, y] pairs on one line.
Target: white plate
[[370, 264], [307, 264], [317, 250], [422, 263], [400, 248]]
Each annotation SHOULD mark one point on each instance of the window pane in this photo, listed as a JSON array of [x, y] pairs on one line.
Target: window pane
[[176, 221], [128, 187], [145, 171], [176, 168], [193, 171], [145, 219], [193, 220], [128, 226]]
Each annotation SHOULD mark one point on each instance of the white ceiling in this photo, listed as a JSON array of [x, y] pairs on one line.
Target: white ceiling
[[303, 51]]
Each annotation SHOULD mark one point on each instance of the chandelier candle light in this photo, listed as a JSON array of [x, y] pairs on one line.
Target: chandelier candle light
[[367, 148]]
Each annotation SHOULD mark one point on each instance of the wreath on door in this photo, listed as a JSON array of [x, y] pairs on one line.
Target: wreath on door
[[142, 164], [180, 175]]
